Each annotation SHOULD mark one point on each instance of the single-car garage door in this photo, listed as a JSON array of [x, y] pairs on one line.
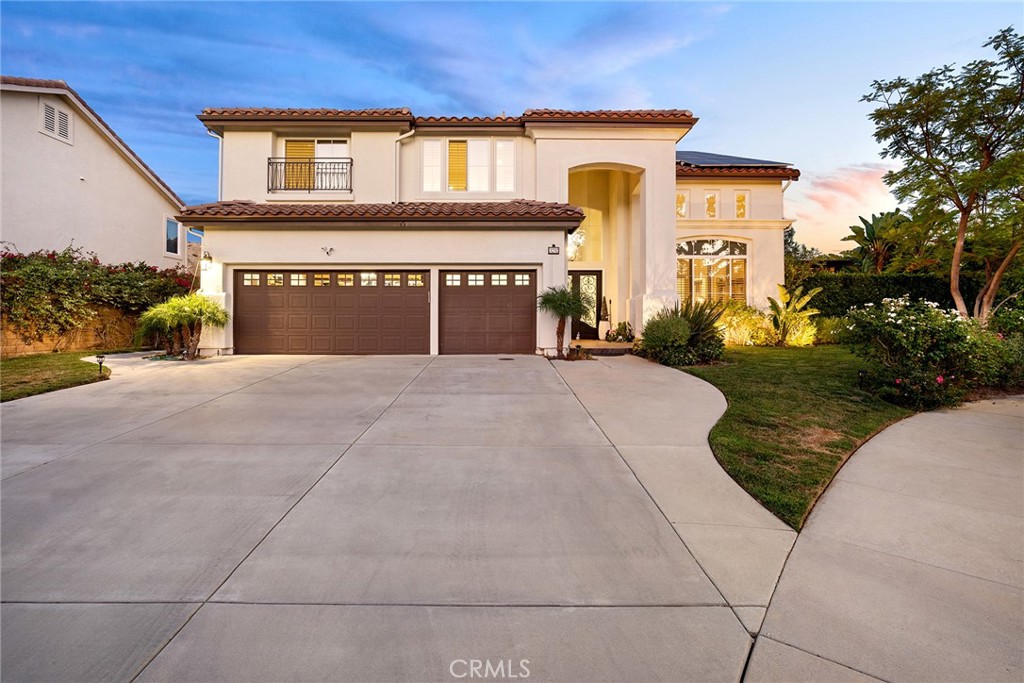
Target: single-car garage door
[[331, 312], [488, 312]]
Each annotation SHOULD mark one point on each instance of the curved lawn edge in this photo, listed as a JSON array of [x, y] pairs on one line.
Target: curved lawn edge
[[794, 416], [40, 373]]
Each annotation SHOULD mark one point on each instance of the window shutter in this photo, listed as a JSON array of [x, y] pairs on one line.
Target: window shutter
[[457, 152], [63, 125], [50, 118], [479, 179], [431, 165], [298, 166], [504, 166]]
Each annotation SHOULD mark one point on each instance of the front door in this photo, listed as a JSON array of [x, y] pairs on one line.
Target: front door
[[588, 282]]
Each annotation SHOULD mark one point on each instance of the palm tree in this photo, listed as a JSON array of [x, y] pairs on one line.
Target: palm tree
[[564, 303], [876, 240], [184, 316]]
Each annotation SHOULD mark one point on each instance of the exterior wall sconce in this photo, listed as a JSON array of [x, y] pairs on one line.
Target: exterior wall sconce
[[206, 261], [327, 250], [554, 250]]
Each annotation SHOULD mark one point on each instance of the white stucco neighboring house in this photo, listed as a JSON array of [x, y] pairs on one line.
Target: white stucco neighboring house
[[68, 178], [376, 231]]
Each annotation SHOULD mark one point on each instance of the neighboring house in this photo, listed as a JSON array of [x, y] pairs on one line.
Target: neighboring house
[[375, 231], [67, 177]]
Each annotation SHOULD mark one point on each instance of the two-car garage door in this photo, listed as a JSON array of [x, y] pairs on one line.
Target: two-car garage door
[[383, 312]]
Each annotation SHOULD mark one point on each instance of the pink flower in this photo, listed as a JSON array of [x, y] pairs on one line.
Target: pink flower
[[898, 380], [940, 379]]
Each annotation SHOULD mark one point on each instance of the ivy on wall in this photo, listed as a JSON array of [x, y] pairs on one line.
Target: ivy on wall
[[54, 292]]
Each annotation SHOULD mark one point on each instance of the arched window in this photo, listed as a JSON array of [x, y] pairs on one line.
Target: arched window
[[711, 269]]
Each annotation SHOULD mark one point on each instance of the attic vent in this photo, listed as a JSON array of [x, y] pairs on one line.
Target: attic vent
[[56, 122]]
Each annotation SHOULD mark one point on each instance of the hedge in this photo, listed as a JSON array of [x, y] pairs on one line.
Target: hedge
[[841, 291]]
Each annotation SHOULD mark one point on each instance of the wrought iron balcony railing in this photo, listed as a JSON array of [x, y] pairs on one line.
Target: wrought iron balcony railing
[[309, 175]]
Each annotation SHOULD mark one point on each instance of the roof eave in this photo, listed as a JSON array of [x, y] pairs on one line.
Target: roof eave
[[334, 223]]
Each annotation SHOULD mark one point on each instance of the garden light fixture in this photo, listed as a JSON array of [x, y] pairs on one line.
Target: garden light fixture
[[99, 359]]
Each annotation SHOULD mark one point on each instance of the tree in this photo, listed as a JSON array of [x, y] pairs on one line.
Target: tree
[[564, 303], [798, 258], [876, 240], [960, 138], [184, 316]]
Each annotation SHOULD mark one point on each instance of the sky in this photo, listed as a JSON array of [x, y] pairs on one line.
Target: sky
[[779, 81]]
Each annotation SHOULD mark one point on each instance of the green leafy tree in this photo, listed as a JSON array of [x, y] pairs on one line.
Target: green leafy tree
[[564, 303], [876, 240], [798, 258], [959, 136]]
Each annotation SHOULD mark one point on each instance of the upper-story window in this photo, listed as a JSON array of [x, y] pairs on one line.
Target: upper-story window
[[56, 122], [311, 165], [682, 203], [742, 203], [468, 165], [711, 202]]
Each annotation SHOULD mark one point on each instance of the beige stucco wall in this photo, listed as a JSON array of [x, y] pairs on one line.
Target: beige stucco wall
[[296, 248], [647, 159], [245, 155], [763, 231], [52, 192]]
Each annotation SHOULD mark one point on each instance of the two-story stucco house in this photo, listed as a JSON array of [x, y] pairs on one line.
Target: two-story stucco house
[[376, 231], [68, 177]]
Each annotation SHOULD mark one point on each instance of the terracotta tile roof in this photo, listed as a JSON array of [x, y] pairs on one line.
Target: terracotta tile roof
[[737, 172], [643, 116], [62, 85], [625, 116], [265, 113], [33, 82], [468, 121], [514, 210]]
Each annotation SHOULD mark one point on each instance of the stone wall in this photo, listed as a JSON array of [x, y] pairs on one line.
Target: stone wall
[[109, 329]]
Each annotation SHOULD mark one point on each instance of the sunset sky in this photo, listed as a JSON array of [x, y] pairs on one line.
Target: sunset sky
[[768, 80]]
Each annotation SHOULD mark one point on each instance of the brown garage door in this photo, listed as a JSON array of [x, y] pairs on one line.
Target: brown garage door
[[488, 311], [331, 312]]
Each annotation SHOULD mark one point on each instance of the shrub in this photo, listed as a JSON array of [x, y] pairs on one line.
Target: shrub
[[54, 292], [842, 291], [623, 332], [926, 357], [666, 339], [684, 335], [744, 325], [791, 319], [706, 339], [829, 329], [1009, 318]]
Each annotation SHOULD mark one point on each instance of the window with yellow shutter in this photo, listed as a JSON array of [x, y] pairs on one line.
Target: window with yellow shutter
[[457, 165], [298, 164]]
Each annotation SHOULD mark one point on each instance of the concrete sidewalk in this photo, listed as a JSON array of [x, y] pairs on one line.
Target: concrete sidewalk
[[911, 566], [377, 519]]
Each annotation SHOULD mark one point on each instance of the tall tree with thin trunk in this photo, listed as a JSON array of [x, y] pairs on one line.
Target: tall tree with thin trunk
[[959, 136]]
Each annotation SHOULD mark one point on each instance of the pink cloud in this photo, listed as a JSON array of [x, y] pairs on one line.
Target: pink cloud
[[830, 202]]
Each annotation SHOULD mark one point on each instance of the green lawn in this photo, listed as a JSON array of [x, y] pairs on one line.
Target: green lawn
[[42, 372], [794, 416]]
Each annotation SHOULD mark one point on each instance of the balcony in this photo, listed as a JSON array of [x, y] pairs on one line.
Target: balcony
[[331, 174]]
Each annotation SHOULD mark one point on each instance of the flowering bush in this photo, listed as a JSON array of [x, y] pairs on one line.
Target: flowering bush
[[54, 292], [927, 357]]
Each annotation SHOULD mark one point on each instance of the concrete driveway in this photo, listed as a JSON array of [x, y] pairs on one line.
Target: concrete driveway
[[377, 519]]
